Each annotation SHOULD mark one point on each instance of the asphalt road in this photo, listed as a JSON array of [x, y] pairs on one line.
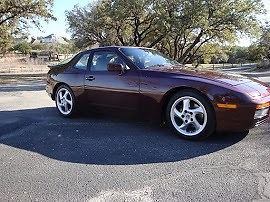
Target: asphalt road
[[44, 157]]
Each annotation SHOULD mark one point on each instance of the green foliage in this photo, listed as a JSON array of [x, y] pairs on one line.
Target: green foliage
[[15, 16], [212, 53], [58, 48], [253, 53], [23, 47], [38, 46], [213, 21], [136, 22], [256, 53], [13, 12], [179, 28], [264, 42], [238, 54], [6, 40]]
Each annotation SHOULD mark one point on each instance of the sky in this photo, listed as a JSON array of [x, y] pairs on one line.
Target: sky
[[60, 26], [244, 40]]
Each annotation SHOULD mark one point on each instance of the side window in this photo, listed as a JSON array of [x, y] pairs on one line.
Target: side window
[[83, 61], [101, 60]]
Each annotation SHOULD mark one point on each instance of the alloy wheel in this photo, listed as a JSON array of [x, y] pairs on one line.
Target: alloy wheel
[[64, 101], [188, 116]]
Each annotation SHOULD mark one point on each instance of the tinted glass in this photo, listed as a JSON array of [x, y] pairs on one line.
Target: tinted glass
[[101, 59], [146, 58], [83, 61]]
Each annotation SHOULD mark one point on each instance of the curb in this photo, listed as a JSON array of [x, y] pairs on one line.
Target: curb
[[259, 74], [239, 69]]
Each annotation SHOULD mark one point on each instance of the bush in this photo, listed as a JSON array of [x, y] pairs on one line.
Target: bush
[[264, 64], [23, 47]]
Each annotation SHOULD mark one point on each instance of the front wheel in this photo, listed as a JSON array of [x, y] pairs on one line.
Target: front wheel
[[65, 101], [190, 115]]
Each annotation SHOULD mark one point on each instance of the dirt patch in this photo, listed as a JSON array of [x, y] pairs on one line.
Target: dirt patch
[[22, 79], [22, 64]]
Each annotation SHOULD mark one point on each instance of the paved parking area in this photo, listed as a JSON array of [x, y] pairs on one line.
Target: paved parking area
[[44, 157]]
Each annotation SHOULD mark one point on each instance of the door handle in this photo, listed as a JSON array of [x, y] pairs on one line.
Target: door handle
[[90, 78]]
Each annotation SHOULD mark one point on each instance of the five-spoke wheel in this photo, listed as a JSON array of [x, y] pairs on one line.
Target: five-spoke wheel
[[65, 101], [190, 115]]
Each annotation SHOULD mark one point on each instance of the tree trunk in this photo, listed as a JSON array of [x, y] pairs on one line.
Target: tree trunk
[[185, 57]]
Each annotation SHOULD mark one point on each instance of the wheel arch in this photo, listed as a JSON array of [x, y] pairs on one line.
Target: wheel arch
[[168, 95], [56, 87]]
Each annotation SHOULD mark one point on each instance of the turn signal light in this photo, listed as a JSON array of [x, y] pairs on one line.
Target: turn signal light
[[227, 106], [263, 106]]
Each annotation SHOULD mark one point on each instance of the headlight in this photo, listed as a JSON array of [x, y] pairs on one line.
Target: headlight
[[261, 113]]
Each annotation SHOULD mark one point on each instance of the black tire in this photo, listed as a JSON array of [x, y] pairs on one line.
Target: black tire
[[73, 108], [209, 124]]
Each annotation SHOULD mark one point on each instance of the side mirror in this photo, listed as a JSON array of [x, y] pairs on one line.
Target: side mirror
[[115, 67]]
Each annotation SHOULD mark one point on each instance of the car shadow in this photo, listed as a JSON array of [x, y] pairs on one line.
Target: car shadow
[[102, 139]]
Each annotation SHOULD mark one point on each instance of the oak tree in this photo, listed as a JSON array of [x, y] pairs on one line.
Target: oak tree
[[179, 28], [16, 15]]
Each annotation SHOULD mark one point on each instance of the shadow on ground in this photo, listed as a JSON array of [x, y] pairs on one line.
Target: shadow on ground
[[101, 140]]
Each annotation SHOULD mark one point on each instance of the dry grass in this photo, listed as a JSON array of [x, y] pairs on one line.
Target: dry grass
[[23, 79], [22, 65]]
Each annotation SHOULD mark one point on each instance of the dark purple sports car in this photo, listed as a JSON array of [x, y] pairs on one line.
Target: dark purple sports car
[[143, 81]]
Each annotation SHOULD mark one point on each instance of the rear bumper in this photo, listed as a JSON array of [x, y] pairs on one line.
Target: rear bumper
[[242, 118], [49, 89]]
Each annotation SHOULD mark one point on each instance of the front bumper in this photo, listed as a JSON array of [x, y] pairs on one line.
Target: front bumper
[[242, 118], [262, 121], [265, 112]]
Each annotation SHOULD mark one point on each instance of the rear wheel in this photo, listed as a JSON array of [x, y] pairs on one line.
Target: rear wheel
[[65, 101], [190, 115]]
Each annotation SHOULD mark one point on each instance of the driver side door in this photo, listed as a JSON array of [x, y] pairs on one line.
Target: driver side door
[[111, 88]]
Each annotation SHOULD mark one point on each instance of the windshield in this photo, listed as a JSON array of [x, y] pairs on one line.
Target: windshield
[[146, 58]]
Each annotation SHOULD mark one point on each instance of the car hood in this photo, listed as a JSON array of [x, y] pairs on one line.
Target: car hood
[[248, 85], [231, 79]]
